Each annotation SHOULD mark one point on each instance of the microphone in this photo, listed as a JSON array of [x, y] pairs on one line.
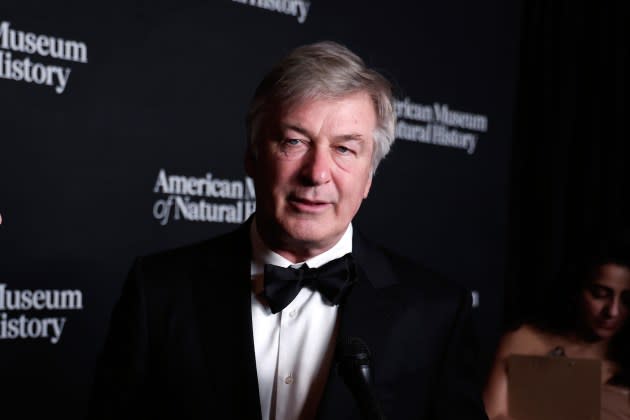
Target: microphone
[[353, 358]]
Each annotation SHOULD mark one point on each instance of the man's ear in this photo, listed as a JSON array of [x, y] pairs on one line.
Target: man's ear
[[368, 185]]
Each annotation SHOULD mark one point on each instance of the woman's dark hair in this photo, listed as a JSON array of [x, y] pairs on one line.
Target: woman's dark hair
[[559, 313]]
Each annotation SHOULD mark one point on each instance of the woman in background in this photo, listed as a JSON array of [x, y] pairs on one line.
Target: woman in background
[[594, 326]]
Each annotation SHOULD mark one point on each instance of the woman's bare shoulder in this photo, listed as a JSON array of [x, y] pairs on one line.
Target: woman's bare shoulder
[[527, 340]]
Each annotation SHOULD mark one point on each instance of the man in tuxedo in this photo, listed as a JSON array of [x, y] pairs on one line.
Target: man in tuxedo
[[252, 324]]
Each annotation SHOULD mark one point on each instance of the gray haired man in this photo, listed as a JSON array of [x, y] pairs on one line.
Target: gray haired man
[[255, 324]]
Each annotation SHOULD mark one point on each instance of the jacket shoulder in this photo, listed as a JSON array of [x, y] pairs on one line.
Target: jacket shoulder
[[230, 244], [175, 268], [406, 275]]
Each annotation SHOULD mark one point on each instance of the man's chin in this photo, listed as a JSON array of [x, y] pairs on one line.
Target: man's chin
[[306, 237], [310, 234]]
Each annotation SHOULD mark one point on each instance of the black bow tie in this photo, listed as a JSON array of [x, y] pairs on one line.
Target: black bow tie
[[333, 280]]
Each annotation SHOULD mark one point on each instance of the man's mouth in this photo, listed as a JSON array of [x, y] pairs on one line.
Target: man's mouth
[[307, 205]]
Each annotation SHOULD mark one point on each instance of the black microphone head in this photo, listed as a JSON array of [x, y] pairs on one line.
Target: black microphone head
[[354, 359], [354, 366], [353, 349]]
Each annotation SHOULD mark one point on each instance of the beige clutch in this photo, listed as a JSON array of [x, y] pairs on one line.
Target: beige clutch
[[553, 388]]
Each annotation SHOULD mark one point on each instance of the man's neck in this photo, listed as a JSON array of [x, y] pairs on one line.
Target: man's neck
[[298, 252]]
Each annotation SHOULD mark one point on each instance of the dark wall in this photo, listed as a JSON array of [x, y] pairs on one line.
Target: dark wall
[[162, 87], [570, 173]]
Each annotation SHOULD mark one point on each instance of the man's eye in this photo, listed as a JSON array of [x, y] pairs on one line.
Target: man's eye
[[291, 142], [343, 150]]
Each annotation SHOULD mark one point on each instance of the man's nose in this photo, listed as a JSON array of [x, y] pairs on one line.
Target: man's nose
[[316, 167]]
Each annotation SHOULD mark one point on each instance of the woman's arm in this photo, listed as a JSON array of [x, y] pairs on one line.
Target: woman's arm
[[495, 394], [525, 340]]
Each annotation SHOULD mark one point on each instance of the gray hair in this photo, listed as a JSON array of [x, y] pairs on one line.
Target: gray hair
[[323, 70]]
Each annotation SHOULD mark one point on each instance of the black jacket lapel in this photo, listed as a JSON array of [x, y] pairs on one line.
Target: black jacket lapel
[[364, 315], [222, 299]]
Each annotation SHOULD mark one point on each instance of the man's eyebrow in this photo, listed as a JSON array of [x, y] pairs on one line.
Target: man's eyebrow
[[341, 137], [297, 128], [351, 136]]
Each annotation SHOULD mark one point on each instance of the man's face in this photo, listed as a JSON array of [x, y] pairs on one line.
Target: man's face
[[313, 169]]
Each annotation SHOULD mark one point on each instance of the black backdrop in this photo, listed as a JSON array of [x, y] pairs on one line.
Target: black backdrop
[[570, 178], [164, 86]]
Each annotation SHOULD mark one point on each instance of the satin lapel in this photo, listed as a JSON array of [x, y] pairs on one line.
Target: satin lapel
[[223, 308], [365, 315]]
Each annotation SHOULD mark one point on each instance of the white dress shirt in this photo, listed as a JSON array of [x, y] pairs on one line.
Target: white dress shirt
[[294, 348]]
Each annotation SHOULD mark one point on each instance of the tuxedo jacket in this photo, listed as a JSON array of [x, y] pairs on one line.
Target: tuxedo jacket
[[180, 342]]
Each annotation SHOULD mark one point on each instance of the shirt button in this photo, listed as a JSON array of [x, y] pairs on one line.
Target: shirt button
[[288, 380], [293, 313]]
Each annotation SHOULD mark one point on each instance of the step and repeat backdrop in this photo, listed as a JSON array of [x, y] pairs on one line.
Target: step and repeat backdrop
[[109, 111]]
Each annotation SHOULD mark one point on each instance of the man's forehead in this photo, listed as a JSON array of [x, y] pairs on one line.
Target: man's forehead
[[289, 104], [292, 114]]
